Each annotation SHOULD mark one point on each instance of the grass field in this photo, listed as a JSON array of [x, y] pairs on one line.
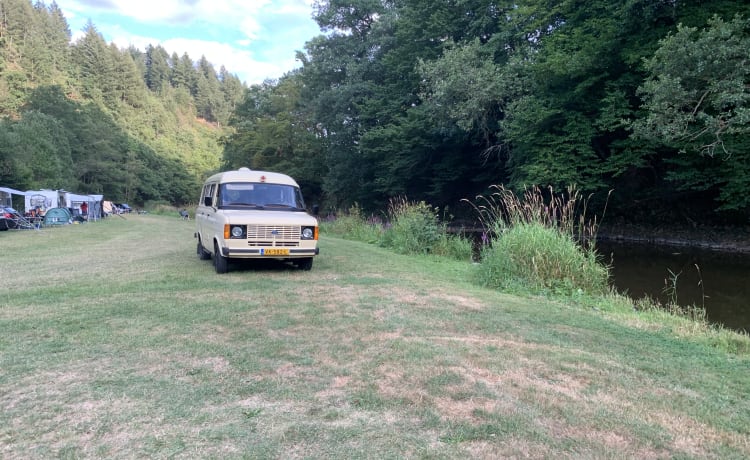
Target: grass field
[[117, 342]]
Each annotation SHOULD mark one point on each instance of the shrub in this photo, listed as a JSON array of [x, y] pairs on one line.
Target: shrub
[[531, 256], [416, 228], [353, 225], [540, 243]]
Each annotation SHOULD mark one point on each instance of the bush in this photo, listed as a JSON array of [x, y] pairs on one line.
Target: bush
[[540, 243], [539, 258], [354, 226], [415, 228]]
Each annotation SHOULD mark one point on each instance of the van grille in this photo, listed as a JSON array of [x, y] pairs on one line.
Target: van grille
[[273, 235]]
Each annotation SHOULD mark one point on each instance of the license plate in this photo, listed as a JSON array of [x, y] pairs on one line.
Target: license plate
[[276, 252]]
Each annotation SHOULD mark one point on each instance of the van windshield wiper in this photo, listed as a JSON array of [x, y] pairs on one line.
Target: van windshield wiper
[[280, 205], [252, 205]]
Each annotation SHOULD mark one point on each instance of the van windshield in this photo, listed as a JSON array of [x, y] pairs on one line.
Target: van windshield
[[260, 195]]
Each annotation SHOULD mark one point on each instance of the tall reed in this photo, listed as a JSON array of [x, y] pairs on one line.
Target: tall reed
[[539, 241]]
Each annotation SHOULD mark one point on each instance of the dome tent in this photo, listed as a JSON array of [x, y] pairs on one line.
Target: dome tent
[[57, 216]]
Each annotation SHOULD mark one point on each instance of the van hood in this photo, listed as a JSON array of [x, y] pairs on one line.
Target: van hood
[[269, 217]]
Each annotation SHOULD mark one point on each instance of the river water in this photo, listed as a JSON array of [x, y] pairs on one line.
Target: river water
[[716, 281]]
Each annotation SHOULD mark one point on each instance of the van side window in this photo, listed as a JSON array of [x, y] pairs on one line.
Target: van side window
[[208, 191]]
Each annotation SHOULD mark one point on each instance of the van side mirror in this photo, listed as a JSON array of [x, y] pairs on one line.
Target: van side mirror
[[207, 201], [315, 210]]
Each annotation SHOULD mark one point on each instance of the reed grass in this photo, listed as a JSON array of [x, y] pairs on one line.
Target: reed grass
[[540, 241]]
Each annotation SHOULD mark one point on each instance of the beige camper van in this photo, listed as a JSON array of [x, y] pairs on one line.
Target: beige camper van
[[248, 214]]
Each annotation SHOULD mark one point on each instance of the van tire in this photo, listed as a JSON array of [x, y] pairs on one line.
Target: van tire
[[202, 253], [221, 263], [305, 264]]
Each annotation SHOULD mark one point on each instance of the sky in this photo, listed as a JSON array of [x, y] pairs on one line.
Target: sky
[[253, 39]]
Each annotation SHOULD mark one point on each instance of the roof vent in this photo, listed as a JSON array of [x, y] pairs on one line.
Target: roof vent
[[244, 169]]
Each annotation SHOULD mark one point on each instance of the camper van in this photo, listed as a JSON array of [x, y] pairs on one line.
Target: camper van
[[246, 214]]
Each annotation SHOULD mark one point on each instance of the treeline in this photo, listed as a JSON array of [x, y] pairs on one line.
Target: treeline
[[436, 100], [429, 100], [134, 125]]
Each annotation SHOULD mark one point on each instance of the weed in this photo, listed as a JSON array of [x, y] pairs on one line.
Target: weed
[[412, 228], [354, 225]]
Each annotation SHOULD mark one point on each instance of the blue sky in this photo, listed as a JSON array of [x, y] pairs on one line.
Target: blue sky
[[253, 39]]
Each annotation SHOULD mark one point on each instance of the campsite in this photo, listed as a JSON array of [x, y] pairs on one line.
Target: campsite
[[35, 209]]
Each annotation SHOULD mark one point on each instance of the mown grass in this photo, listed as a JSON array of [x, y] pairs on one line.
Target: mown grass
[[117, 342]]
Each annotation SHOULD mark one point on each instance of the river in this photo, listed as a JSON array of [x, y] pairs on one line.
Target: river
[[716, 281]]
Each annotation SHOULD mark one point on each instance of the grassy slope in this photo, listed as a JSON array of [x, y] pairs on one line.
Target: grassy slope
[[115, 345]]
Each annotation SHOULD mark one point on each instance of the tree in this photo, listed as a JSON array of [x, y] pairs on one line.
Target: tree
[[157, 67], [129, 88], [698, 91], [273, 131], [697, 100], [183, 72], [96, 67]]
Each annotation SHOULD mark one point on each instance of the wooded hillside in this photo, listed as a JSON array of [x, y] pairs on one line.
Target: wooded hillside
[[136, 126]]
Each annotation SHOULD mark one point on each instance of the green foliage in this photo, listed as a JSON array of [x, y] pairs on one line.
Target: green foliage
[[274, 132], [697, 100], [553, 91], [536, 258], [697, 94], [412, 228], [431, 100], [534, 244], [354, 226], [92, 118]]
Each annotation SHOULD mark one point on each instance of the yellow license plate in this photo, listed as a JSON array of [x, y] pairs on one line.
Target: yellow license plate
[[276, 252]]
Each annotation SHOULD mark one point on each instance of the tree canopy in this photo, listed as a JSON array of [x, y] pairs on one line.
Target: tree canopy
[[438, 100]]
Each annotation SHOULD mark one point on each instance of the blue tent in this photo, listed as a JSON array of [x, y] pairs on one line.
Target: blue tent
[[57, 216]]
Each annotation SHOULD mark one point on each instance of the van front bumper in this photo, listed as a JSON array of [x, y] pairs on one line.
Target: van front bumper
[[260, 252]]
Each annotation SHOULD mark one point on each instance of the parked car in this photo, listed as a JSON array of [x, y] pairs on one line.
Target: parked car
[[246, 214], [123, 208]]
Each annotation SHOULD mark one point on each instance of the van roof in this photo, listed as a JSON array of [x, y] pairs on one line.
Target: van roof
[[249, 175]]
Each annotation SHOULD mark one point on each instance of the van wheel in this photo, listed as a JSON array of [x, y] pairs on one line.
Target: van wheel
[[202, 253], [221, 263], [305, 264]]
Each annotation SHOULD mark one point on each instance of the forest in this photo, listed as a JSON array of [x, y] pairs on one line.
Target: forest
[[427, 100]]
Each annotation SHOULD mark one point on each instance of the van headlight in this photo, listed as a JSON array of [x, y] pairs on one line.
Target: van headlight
[[238, 231], [308, 233]]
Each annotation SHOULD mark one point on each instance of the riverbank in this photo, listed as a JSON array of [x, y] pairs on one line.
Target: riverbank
[[735, 240]]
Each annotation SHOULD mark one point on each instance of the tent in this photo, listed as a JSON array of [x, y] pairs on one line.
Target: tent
[[93, 203], [58, 216], [42, 200]]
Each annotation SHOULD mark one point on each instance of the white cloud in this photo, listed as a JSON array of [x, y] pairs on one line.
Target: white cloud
[[261, 35], [237, 61]]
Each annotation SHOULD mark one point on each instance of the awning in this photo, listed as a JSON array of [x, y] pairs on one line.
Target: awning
[[12, 191]]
